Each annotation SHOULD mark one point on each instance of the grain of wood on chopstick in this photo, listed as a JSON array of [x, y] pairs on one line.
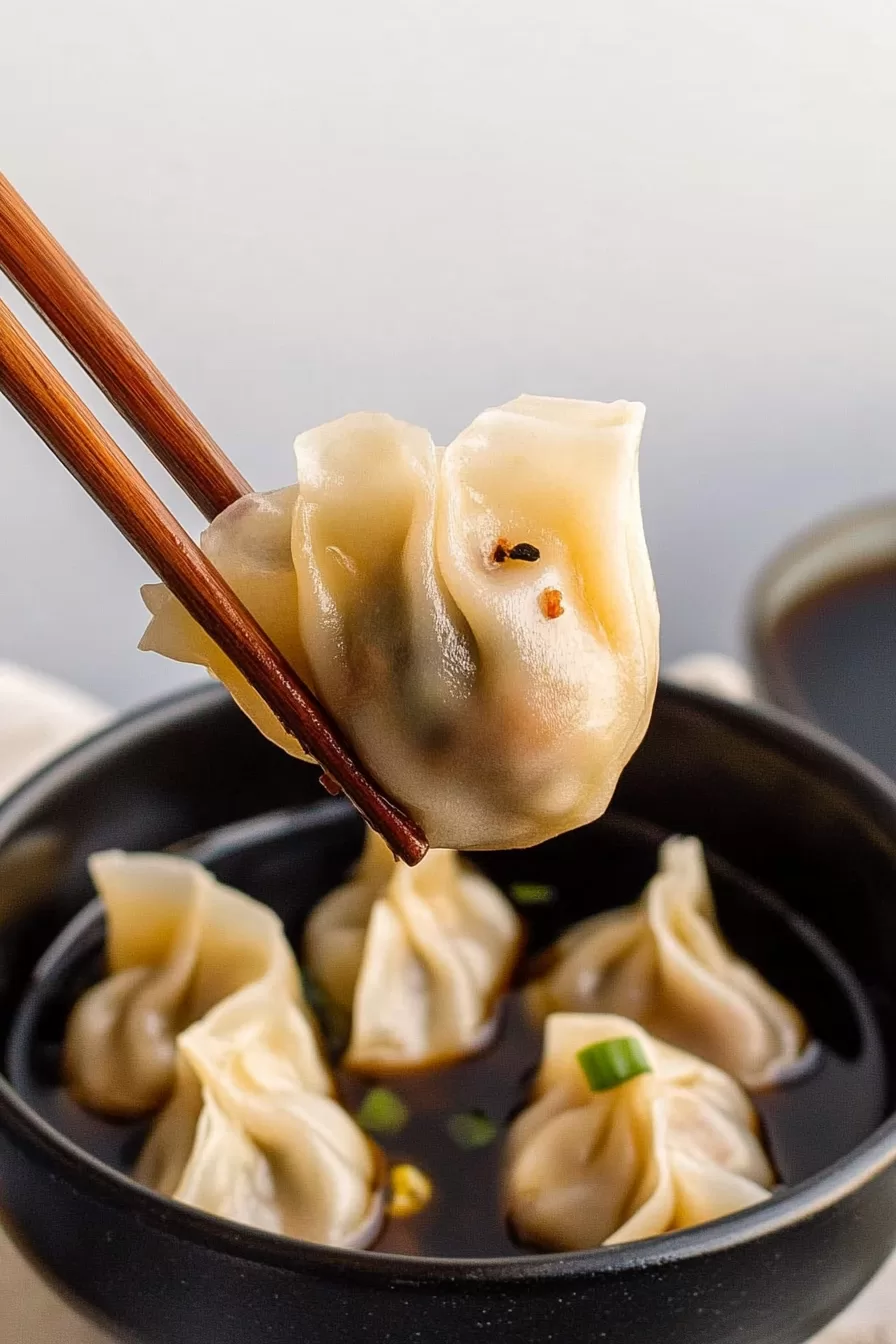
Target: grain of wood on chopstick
[[54, 410], [51, 282]]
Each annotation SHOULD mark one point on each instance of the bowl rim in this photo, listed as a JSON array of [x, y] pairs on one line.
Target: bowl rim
[[51, 1149], [825, 552]]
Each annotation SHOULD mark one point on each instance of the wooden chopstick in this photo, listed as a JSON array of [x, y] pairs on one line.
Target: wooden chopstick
[[51, 282], [60, 417], [62, 295]]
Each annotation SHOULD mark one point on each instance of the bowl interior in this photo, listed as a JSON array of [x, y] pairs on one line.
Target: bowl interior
[[292, 857], [801, 839]]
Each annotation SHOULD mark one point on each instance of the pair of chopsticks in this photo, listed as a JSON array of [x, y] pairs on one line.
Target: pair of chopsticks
[[57, 290]]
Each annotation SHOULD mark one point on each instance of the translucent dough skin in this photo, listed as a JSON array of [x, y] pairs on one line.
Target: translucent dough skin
[[250, 544], [665, 1151], [261, 1141], [177, 943], [420, 956], [203, 1010], [664, 963], [492, 724]]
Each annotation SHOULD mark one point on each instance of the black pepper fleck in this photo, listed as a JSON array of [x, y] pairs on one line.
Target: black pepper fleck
[[524, 551]]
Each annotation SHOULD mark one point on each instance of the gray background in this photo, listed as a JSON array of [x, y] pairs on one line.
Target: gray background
[[427, 207]]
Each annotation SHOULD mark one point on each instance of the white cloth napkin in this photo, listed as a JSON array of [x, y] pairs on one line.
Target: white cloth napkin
[[715, 673], [39, 718]]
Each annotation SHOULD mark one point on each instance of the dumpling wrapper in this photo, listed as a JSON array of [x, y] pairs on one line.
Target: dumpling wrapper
[[495, 723], [203, 1009], [419, 955], [177, 943], [665, 1151], [664, 963], [252, 1134]]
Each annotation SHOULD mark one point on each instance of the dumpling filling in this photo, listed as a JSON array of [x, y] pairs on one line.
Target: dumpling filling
[[480, 620]]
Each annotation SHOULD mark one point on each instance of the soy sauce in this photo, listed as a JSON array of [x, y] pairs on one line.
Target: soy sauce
[[835, 654], [465, 1216], [811, 1120]]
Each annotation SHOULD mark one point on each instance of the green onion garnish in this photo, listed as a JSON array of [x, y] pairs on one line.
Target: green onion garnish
[[607, 1064], [382, 1112], [334, 1020], [533, 893], [472, 1129], [314, 995]]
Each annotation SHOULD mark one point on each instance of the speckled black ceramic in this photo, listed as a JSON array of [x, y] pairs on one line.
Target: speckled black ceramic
[[781, 806]]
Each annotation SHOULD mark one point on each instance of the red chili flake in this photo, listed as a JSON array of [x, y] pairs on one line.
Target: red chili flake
[[501, 551], [551, 601], [330, 785]]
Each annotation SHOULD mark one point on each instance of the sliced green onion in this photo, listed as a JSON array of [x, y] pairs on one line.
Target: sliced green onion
[[382, 1112], [607, 1064], [472, 1129], [533, 893], [310, 988], [334, 1020]]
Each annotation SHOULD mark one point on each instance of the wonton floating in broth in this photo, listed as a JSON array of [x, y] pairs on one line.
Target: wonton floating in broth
[[177, 943], [665, 963], [480, 620], [203, 1009], [419, 955], [671, 1147], [254, 1134]]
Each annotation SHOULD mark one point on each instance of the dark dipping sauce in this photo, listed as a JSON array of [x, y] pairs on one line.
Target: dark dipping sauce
[[833, 658], [831, 1103]]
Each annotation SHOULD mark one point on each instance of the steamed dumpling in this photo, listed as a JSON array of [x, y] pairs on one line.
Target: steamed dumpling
[[253, 1133], [177, 943], [203, 1009], [497, 698], [419, 955], [664, 963], [250, 545], [665, 1151]]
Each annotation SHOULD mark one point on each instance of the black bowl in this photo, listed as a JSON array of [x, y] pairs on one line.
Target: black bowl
[[781, 810]]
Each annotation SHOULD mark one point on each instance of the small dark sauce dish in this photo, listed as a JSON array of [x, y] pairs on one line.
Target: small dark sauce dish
[[802, 839], [823, 630]]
